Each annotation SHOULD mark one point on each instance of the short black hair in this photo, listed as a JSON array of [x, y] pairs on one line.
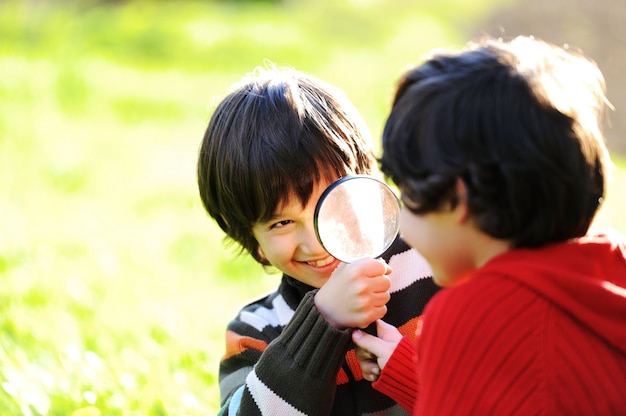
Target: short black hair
[[274, 136], [518, 122]]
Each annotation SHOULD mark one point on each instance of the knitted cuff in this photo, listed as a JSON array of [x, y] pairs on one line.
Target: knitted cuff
[[313, 343], [398, 379]]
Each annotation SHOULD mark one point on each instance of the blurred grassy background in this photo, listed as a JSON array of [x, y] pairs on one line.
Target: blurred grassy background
[[116, 286]]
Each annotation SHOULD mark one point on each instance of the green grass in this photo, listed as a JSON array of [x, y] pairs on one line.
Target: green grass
[[116, 286]]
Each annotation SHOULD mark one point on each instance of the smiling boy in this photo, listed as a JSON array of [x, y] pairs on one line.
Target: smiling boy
[[272, 146]]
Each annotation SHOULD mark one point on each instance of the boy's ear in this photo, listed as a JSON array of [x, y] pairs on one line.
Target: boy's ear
[[261, 254], [462, 208]]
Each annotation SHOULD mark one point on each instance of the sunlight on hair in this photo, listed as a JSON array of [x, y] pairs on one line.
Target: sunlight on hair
[[572, 93]]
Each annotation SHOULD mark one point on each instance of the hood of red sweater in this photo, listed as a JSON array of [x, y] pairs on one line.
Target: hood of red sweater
[[585, 277]]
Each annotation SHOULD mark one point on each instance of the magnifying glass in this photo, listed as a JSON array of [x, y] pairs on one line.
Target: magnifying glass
[[357, 216]]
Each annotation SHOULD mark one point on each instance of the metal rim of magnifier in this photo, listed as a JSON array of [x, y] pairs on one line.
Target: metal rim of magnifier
[[340, 182]]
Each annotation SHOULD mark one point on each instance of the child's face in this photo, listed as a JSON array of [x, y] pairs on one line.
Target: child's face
[[442, 241], [288, 241]]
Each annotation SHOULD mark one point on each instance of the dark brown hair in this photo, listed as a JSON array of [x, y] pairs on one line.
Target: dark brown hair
[[519, 122], [276, 135]]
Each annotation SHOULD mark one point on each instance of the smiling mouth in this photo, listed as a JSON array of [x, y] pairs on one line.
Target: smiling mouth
[[321, 263]]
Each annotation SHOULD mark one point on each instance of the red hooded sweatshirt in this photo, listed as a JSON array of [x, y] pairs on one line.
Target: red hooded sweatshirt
[[539, 331]]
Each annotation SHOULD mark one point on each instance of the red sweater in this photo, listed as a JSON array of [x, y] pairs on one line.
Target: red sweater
[[532, 332]]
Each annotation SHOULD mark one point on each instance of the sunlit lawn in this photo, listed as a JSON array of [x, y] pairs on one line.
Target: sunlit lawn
[[116, 286]]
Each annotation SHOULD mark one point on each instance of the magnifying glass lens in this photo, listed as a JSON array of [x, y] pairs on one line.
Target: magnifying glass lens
[[357, 217]]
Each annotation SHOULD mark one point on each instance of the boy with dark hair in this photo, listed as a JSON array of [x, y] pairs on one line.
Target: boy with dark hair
[[498, 153], [271, 148]]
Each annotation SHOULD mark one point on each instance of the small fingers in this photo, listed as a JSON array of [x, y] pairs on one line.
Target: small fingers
[[363, 354], [388, 269], [369, 366], [370, 370], [374, 373]]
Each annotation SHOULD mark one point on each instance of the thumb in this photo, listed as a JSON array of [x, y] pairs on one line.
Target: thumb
[[382, 346], [387, 332], [369, 342]]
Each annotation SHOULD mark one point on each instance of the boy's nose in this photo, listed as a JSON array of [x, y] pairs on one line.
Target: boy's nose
[[309, 241]]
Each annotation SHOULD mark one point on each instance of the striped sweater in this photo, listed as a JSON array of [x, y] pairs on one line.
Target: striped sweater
[[283, 358]]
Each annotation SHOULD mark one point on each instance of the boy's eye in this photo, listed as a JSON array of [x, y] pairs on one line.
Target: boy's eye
[[280, 224]]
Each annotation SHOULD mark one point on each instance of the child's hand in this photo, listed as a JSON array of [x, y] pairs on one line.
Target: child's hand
[[356, 294], [374, 352]]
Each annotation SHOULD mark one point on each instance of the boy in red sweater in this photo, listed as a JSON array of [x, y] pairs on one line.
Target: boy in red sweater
[[498, 153]]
